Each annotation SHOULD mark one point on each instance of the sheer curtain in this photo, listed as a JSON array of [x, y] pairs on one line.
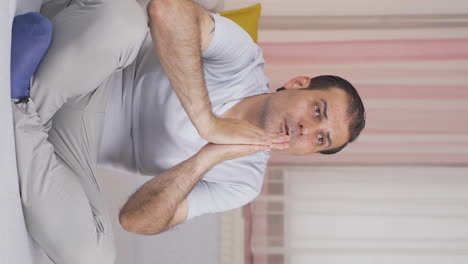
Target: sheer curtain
[[362, 215]]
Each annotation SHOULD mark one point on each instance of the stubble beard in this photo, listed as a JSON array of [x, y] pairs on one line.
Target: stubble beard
[[267, 117]]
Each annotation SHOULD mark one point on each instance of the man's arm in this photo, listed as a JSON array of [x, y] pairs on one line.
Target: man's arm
[[180, 30], [161, 202]]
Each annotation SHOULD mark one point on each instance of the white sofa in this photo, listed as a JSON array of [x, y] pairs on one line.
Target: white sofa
[[16, 246]]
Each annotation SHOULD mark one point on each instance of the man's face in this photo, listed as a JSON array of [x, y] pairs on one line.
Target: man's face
[[316, 120]]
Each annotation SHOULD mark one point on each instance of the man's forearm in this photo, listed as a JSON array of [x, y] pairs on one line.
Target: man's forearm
[[180, 30], [152, 207], [175, 29]]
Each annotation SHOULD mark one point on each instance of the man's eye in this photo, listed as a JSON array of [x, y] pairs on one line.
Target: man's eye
[[317, 111], [320, 139]]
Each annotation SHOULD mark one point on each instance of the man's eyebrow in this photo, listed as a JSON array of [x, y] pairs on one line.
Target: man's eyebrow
[[324, 108], [325, 105]]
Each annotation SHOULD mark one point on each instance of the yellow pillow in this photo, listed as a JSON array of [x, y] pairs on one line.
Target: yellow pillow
[[247, 18]]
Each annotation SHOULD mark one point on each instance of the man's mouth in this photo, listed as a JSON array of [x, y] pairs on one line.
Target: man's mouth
[[286, 128]]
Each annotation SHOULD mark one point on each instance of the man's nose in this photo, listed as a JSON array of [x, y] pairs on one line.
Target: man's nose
[[309, 127], [306, 128]]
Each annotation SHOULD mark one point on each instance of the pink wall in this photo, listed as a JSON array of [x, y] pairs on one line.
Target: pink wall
[[415, 92]]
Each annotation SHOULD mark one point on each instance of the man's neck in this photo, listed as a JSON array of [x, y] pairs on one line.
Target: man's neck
[[250, 109]]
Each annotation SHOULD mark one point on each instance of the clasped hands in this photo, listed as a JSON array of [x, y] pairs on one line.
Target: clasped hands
[[232, 138]]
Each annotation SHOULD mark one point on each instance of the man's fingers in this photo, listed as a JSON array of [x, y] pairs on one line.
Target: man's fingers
[[276, 139], [232, 131], [280, 146], [237, 151], [280, 139], [267, 137], [258, 136]]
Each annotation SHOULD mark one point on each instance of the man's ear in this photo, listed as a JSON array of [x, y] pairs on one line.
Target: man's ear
[[298, 82]]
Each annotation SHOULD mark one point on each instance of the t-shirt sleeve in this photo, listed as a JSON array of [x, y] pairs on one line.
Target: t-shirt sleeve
[[211, 197], [228, 185], [230, 47]]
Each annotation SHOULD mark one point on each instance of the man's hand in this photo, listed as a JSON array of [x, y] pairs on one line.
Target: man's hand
[[212, 154], [234, 131]]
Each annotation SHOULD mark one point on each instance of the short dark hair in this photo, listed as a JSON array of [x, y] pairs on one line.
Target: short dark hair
[[356, 111]]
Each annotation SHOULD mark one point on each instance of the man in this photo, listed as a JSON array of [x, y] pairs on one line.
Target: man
[[157, 123], [57, 131]]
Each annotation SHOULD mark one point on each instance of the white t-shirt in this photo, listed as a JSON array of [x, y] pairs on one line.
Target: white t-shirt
[[147, 131]]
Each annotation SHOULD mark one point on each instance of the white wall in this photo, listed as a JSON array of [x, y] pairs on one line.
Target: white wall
[[333, 20], [352, 8]]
